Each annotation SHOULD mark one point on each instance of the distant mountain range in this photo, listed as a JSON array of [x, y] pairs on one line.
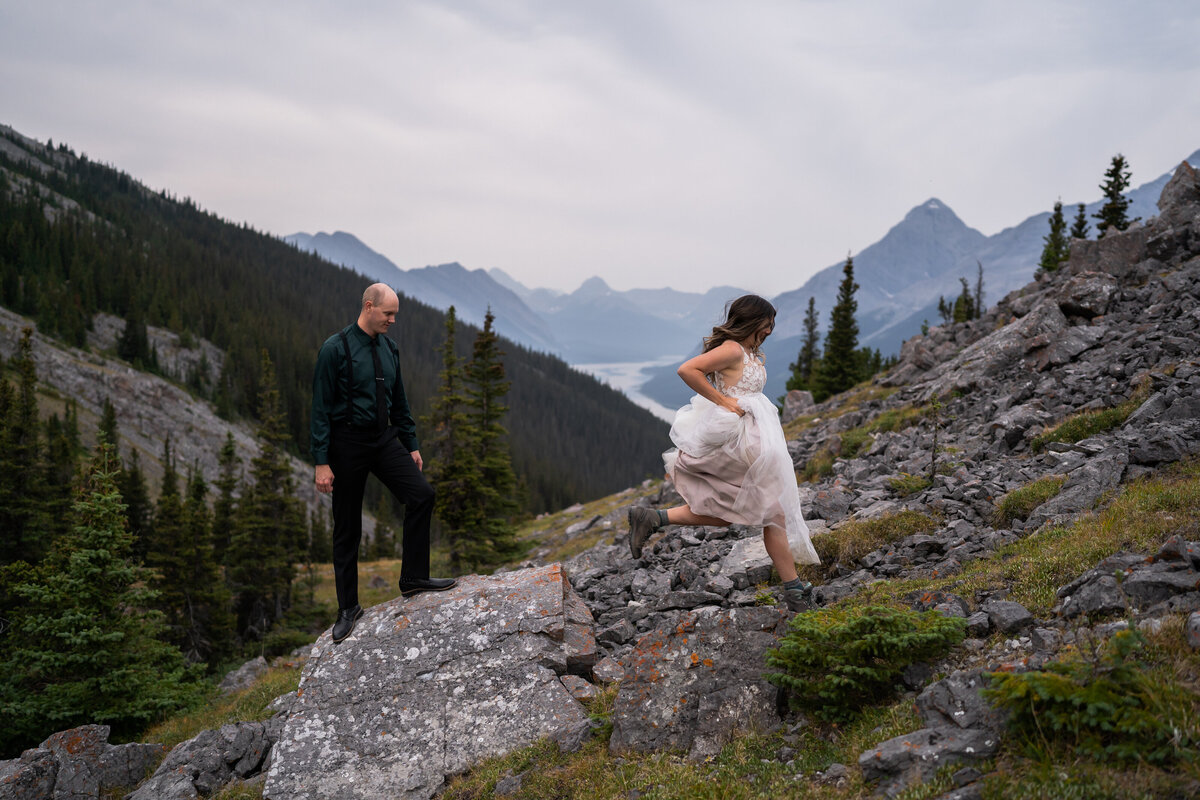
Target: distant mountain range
[[901, 277]]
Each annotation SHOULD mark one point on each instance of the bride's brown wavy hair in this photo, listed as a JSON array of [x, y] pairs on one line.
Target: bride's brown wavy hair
[[743, 317]]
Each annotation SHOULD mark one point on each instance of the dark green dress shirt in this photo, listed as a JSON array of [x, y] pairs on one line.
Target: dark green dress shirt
[[330, 407]]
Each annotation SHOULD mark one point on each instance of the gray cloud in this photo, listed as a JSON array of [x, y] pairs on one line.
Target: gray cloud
[[652, 143]]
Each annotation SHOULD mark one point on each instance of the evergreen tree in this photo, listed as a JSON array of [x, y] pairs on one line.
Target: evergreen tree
[[25, 526], [495, 541], [1079, 228], [839, 365], [207, 624], [964, 304], [1055, 248], [1114, 214], [320, 541], [802, 370], [271, 535], [132, 483], [108, 429], [228, 477], [134, 344], [449, 450], [83, 646], [945, 310], [383, 543], [979, 290]]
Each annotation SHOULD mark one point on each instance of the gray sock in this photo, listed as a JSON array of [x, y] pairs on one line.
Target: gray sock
[[795, 583], [662, 518]]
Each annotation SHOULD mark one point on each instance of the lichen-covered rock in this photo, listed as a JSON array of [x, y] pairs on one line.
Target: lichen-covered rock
[[76, 764], [203, 764], [429, 685], [956, 700], [916, 757], [690, 686]]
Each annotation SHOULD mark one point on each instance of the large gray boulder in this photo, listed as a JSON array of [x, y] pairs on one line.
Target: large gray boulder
[[429, 685], [689, 686], [76, 764]]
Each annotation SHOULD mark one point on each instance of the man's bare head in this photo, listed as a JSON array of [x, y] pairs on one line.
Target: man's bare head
[[379, 307]]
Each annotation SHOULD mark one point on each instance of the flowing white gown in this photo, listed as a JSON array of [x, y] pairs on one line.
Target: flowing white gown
[[737, 468]]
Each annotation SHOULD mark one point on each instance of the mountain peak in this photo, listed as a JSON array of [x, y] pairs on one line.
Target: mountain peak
[[592, 287]]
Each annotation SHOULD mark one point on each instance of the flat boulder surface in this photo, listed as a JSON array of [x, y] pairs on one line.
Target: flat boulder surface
[[426, 686]]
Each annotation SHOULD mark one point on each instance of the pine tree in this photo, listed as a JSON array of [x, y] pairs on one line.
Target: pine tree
[[945, 311], [449, 451], [979, 290], [320, 541], [495, 541], [1114, 214], [83, 646], [802, 370], [839, 365], [132, 483], [964, 304], [134, 344], [26, 528], [383, 543], [1055, 248], [207, 624], [108, 429], [228, 477], [1079, 228], [271, 535]]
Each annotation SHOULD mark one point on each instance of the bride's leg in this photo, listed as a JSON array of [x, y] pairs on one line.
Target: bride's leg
[[776, 541], [683, 515]]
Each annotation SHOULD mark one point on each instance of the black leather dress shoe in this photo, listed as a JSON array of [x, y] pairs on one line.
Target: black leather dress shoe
[[417, 585], [345, 622]]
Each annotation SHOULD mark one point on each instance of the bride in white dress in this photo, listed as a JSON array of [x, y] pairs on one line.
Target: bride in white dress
[[730, 462]]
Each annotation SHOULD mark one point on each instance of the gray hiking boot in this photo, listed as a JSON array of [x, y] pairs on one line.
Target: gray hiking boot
[[799, 598], [642, 523]]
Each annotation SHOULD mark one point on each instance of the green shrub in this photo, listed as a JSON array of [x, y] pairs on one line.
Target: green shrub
[[834, 662], [1020, 503], [1111, 706], [907, 484]]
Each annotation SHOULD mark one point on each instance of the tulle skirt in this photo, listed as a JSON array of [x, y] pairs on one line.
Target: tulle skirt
[[737, 468]]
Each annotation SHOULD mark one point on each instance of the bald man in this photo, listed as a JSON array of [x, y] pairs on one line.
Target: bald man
[[361, 424]]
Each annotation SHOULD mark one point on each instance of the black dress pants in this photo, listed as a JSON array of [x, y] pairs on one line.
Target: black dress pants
[[353, 455]]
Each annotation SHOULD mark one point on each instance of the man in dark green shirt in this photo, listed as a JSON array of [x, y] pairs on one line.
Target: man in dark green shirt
[[362, 424]]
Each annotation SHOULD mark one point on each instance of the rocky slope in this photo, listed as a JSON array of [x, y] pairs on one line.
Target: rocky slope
[[684, 628]]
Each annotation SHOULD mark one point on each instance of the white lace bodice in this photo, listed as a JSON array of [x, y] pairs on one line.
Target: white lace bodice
[[754, 377]]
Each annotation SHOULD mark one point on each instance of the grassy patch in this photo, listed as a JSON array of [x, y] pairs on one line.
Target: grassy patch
[[817, 467], [746, 769], [1020, 503], [1138, 520], [906, 484], [248, 705], [851, 541], [549, 533], [1080, 426], [799, 425]]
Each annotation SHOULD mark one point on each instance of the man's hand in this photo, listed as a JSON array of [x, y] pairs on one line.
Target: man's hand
[[416, 454], [324, 479]]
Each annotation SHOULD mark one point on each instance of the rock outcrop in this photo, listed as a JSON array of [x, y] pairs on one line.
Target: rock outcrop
[[429, 685], [76, 764]]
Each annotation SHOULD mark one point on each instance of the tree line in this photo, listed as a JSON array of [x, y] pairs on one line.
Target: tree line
[[841, 363], [115, 608], [83, 237], [1112, 216]]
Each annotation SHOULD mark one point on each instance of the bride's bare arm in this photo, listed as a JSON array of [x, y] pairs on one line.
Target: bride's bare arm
[[719, 359]]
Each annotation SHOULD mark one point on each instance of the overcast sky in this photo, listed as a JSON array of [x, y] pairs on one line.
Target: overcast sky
[[674, 143]]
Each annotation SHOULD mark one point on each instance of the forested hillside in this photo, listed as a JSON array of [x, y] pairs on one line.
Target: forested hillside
[[78, 237]]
